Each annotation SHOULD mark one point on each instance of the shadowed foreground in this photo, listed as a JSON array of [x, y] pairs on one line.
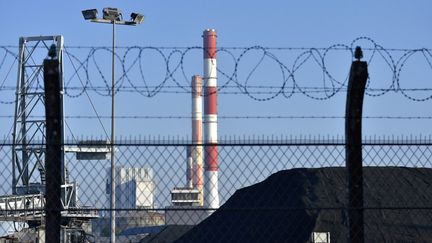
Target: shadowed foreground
[[290, 205]]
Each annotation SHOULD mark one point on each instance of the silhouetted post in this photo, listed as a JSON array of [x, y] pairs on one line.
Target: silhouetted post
[[53, 156], [353, 136]]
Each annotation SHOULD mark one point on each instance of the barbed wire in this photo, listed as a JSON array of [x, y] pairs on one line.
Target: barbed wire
[[227, 117], [238, 74]]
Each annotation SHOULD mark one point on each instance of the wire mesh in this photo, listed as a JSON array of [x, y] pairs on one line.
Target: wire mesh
[[269, 192]]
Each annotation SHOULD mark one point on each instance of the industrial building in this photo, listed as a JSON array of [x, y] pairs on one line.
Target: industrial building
[[134, 187], [134, 190]]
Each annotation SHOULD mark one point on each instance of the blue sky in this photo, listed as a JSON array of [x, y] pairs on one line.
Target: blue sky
[[392, 24], [269, 23]]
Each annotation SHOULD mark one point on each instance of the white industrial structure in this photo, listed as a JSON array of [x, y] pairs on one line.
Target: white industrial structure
[[134, 187]]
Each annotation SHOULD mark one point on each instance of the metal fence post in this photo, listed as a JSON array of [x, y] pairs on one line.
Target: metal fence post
[[353, 135], [53, 157]]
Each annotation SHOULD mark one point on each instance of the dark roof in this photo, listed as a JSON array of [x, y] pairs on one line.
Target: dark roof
[[290, 205], [169, 233]]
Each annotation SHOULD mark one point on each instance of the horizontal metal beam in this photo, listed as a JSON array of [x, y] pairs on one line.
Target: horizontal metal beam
[[106, 21], [80, 149], [41, 38]]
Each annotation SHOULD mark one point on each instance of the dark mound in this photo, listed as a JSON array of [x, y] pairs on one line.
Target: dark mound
[[290, 205], [168, 233]]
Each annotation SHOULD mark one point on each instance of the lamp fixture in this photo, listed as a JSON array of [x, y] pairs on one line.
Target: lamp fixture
[[90, 14], [137, 18], [113, 14]]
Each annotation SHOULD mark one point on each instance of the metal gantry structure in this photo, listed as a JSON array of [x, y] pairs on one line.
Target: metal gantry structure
[[28, 151], [27, 202]]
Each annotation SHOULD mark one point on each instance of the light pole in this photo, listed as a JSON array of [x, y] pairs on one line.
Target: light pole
[[112, 16]]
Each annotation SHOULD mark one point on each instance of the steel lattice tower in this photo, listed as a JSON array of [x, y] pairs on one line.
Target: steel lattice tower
[[28, 151]]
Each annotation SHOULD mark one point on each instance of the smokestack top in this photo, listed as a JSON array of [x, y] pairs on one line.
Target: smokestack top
[[209, 30], [196, 87], [196, 78]]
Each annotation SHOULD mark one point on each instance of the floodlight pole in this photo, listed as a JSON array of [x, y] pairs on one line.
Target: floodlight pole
[[91, 15], [113, 162]]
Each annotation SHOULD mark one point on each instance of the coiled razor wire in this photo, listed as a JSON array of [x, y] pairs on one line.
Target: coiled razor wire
[[174, 62]]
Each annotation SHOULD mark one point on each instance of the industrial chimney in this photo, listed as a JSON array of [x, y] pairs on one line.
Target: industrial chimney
[[197, 137], [210, 120]]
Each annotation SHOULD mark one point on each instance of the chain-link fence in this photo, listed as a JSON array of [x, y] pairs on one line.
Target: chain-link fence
[[269, 192]]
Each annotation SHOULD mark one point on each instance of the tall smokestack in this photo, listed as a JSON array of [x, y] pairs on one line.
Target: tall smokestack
[[197, 137], [210, 120]]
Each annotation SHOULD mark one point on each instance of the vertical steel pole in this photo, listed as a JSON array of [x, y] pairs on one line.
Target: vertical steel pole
[[18, 96], [24, 89], [53, 157], [113, 182], [353, 135]]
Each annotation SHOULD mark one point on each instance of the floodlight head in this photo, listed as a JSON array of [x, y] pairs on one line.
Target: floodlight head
[[137, 18], [113, 14], [90, 14]]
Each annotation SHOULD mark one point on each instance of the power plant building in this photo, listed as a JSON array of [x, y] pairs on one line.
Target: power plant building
[[134, 187], [134, 190]]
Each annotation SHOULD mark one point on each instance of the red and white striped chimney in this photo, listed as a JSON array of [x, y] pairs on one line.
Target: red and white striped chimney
[[210, 120], [197, 137]]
